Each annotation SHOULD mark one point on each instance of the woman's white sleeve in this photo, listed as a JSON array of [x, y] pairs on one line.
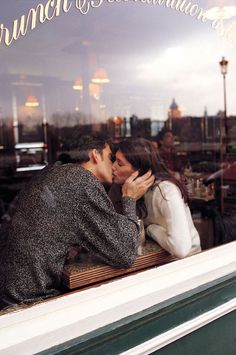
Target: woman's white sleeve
[[176, 238]]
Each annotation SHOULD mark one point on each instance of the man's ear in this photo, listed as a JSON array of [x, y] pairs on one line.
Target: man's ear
[[95, 155]]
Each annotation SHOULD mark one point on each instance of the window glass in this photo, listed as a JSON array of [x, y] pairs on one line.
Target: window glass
[[127, 68]]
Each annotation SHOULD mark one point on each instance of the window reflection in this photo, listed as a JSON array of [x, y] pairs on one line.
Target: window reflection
[[127, 78]]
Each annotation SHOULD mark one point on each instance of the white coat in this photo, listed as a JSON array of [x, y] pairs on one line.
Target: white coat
[[169, 221]]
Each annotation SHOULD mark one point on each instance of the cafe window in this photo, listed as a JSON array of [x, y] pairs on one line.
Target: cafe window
[[129, 69]]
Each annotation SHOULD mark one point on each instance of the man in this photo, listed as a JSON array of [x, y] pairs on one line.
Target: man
[[167, 152], [62, 206]]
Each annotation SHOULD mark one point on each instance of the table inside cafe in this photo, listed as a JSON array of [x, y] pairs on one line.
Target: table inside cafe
[[86, 270], [196, 188], [200, 195], [203, 206]]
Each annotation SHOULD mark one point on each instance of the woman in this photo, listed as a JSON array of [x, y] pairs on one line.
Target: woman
[[164, 208]]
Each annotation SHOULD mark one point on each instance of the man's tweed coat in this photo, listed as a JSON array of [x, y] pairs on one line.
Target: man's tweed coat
[[62, 206]]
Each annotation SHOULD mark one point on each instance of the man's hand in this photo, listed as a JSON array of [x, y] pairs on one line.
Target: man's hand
[[136, 187]]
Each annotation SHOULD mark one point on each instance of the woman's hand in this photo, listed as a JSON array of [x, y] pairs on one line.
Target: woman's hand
[[136, 187]]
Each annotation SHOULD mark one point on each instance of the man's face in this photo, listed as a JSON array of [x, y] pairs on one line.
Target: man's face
[[104, 166], [122, 169], [168, 140]]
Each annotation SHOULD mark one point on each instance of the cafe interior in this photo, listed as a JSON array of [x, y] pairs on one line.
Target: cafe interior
[[128, 70]]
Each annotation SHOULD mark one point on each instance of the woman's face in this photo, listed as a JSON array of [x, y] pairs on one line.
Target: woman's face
[[122, 169]]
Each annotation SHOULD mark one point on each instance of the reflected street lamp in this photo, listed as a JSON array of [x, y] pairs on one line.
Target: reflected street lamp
[[224, 66]]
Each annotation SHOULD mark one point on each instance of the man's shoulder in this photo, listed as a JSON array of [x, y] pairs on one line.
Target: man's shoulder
[[82, 175], [57, 179], [72, 172]]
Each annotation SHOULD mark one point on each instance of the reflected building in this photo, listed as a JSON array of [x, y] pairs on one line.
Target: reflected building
[[173, 113]]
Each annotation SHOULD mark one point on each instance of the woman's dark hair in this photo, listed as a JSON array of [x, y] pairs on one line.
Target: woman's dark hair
[[143, 156]]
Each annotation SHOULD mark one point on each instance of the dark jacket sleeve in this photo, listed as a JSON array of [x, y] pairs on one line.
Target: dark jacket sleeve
[[110, 236]]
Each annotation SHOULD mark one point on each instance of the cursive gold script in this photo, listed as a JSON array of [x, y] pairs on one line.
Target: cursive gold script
[[41, 13], [53, 8]]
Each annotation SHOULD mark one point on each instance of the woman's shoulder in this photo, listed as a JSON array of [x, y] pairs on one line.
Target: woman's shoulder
[[165, 188], [165, 184]]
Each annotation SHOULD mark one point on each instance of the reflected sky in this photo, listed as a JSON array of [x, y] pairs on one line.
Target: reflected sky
[[151, 53]]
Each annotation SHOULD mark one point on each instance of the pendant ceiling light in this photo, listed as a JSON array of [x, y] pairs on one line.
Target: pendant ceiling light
[[100, 76], [78, 85], [220, 9], [31, 102]]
